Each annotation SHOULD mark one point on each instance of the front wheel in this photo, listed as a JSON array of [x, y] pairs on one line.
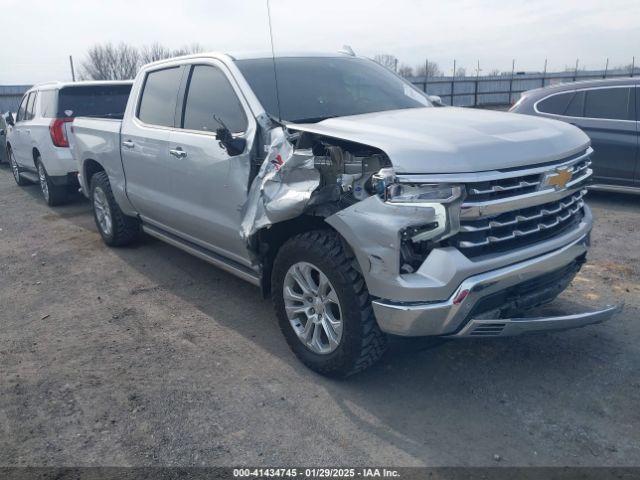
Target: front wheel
[[323, 305], [116, 228]]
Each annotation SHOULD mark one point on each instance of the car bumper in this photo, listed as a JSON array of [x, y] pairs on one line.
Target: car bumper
[[459, 317]]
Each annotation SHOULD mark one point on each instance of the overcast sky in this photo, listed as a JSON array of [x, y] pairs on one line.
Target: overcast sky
[[40, 35]]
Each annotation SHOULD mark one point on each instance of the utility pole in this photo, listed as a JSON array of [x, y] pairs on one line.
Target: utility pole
[[633, 65], [544, 73], [606, 67], [426, 74], [575, 72], [475, 91], [73, 73], [513, 69], [453, 80]]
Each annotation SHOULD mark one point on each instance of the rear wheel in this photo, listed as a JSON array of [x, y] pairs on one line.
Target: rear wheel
[[53, 194], [116, 228], [323, 305], [15, 168]]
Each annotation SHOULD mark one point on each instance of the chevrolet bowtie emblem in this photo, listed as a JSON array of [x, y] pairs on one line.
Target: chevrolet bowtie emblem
[[558, 179]]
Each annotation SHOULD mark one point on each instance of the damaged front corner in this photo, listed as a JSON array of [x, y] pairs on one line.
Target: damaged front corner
[[282, 188]]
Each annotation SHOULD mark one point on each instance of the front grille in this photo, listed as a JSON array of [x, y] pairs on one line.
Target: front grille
[[509, 211], [519, 228], [511, 186]]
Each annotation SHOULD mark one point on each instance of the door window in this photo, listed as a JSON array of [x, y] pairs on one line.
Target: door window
[[31, 106], [211, 96], [610, 103], [556, 104], [159, 95], [22, 109], [576, 105]]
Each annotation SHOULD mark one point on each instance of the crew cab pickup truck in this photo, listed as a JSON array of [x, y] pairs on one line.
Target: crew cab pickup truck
[[341, 191]]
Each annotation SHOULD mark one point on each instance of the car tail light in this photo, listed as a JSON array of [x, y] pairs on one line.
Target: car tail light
[[58, 131]]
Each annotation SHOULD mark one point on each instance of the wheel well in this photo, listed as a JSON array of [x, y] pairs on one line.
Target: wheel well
[[91, 167], [35, 153], [269, 241]]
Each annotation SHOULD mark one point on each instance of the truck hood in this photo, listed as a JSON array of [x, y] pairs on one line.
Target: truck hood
[[455, 140]]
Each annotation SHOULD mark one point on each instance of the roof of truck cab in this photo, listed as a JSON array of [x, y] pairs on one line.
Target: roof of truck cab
[[84, 83], [250, 55]]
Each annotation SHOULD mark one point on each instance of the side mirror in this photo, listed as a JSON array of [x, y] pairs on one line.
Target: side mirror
[[233, 146], [10, 120], [436, 100]]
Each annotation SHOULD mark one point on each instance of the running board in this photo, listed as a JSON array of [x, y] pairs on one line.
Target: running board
[[215, 259]]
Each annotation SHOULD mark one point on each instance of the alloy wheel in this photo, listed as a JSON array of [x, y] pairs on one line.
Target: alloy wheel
[[14, 165], [313, 308], [44, 186], [103, 212]]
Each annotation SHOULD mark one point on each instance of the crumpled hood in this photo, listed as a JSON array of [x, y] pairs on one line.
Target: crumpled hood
[[456, 140]]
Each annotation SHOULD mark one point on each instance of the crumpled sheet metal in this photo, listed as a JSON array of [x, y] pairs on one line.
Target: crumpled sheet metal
[[282, 188]]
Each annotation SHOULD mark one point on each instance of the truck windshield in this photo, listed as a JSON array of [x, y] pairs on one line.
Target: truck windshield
[[106, 101], [311, 89]]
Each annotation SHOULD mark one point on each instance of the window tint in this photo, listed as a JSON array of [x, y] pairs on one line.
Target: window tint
[[576, 105], [556, 104], [209, 94], [48, 103], [31, 106], [612, 103], [103, 101], [22, 109], [158, 103]]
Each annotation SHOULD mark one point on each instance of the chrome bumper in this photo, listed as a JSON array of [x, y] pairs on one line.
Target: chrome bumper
[[451, 317]]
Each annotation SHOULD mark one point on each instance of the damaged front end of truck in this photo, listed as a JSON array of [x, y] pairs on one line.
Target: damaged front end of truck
[[410, 233]]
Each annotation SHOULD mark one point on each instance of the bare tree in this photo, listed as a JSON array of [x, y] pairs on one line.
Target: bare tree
[[122, 62], [431, 69], [494, 73], [386, 60], [109, 62], [461, 72], [405, 71]]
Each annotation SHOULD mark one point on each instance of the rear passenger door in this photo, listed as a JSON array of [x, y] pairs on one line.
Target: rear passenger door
[[209, 187], [608, 117], [145, 145]]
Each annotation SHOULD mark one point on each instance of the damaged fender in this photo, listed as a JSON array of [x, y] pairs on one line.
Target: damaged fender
[[282, 188]]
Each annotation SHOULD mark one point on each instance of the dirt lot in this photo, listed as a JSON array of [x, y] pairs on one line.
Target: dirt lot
[[147, 356]]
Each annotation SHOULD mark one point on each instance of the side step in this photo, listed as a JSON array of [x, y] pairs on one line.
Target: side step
[[213, 258]]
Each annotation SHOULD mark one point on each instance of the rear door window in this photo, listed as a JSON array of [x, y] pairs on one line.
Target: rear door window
[[31, 106], [211, 96], [159, 97], [576, 106], [609, 103], [102, 101], [22, 109], [556, 104]]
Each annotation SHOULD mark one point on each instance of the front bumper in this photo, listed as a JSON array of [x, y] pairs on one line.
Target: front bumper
[[457, 315]]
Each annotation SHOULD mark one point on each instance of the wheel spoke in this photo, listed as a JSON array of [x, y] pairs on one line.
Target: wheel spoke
[[308, 330], [289, 294], [332, 296], [332, 335]]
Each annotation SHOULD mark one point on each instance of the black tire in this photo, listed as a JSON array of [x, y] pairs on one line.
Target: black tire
[[53, 195], [362, 342], [124, 229], [15, 169]]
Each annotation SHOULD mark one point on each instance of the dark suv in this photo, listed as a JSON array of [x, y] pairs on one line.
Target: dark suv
[[606, 110]]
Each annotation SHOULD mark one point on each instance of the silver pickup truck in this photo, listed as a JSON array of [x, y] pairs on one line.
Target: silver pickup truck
[[343, 192]]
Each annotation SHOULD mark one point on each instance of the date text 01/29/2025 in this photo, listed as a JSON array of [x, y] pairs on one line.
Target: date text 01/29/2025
[[315, 473]]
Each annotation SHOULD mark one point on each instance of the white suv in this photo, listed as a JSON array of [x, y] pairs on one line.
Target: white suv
[[38, 146]]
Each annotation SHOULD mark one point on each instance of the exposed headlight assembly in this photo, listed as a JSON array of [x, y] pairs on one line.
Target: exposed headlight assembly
[[425, 193]]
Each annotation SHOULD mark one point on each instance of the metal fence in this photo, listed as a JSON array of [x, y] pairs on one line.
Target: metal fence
[[502, 89], [10, 96]]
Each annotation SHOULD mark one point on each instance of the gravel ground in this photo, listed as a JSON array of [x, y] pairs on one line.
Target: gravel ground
[[148, 356]]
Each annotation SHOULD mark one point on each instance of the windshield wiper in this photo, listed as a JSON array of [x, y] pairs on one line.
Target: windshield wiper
[[313, 119]]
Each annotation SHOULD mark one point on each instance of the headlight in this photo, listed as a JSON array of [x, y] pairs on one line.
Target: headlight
[[425, 193]]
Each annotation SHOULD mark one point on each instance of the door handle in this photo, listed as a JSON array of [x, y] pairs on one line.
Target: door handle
[[128, 144], [178, 152]]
